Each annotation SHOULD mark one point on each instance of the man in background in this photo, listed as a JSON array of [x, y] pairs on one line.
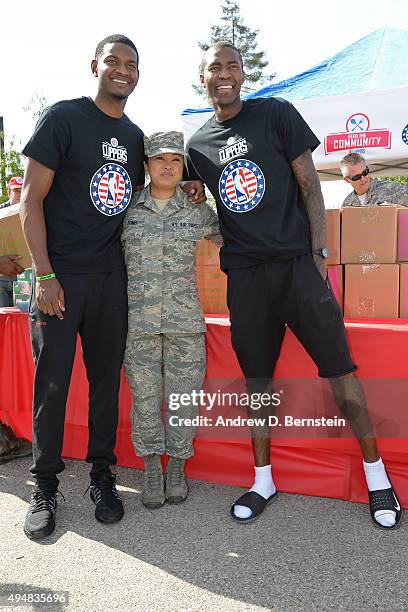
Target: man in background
[[14, 188], [368, 191]]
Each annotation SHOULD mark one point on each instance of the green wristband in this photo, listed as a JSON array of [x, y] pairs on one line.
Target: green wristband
[[45, 277]]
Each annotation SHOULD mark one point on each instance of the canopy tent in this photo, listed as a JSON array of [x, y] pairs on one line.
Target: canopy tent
[[356, 100]]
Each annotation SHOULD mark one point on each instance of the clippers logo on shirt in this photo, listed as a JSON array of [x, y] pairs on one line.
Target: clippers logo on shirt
[[234, 148], [241, 186], [111, 189], [114, 151]]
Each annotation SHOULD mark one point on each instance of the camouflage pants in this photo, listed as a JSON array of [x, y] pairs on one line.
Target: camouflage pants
[[156, 366]]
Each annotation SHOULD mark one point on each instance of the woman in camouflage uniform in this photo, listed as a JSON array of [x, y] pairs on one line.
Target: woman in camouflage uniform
[[165, 351]]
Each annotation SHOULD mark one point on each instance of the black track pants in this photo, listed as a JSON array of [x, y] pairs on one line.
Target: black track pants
[[96, 308]]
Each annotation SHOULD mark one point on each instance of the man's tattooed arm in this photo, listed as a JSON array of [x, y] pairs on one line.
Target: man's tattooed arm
[[306, 176]]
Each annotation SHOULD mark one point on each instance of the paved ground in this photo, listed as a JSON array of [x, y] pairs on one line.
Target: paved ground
[[305, 554]]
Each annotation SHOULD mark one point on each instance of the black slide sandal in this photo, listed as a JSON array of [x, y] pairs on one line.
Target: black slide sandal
[[385, 499], [255, 502]]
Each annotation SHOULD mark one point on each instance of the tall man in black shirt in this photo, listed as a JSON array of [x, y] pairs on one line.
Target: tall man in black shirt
[[255, 157], [85, 159]]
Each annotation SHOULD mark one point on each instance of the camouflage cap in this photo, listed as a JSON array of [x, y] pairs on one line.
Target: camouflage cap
[[164, 142]]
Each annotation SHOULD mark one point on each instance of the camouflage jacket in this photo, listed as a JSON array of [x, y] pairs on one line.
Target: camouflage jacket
[[379, 192], [159, 249]]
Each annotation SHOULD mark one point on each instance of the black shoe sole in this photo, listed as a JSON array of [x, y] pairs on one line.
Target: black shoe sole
[[40, 535], [109, 521]]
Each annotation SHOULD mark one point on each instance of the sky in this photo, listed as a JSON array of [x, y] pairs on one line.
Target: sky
[[48, 46]]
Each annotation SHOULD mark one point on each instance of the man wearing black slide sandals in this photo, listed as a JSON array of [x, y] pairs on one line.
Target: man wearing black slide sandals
[[255, 157]]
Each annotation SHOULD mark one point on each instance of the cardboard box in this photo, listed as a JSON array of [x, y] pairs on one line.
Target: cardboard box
[[369, 234], [403, 306], [335, 274], [333, 218], [402, 252], [212, 289], [211, 282], [12, 241], [207, 254], [371, 290]]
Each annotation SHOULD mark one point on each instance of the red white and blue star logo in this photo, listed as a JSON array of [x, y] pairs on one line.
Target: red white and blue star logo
[[111, 189], [404, 135], [241, 186]]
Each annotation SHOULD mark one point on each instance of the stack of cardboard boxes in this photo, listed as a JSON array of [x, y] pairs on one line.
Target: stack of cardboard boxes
[[334, 267], [211, 282], [368, 263], [402, 257], [369, 238]]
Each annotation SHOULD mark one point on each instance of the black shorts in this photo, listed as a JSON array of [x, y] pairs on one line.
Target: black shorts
[[263, 298]]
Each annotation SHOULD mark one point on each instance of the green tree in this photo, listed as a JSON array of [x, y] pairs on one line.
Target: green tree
[[233, 30], [36, 105], [11, 160], [397, 179], [11, 164]]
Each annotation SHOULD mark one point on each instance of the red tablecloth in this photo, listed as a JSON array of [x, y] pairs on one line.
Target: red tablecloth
[[325, 467]]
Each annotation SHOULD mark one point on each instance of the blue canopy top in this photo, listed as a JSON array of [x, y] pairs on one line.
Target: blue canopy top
[[377, 61]]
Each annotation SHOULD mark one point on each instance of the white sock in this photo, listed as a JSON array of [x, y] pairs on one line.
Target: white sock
[[263, 485], [377, 479]]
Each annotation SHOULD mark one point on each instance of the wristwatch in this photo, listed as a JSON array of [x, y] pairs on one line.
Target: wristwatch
[[324, 252]]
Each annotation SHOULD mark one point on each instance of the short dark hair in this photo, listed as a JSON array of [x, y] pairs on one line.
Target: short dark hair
[[115, 38], [221, 45]]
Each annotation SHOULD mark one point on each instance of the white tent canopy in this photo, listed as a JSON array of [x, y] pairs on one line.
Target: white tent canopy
[[373, 123]]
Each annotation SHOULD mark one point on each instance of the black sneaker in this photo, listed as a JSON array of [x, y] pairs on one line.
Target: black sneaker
[[40, 518], [109, 506]]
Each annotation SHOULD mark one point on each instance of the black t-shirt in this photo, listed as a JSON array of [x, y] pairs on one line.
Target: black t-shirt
[[245, 162], [98, 161]]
